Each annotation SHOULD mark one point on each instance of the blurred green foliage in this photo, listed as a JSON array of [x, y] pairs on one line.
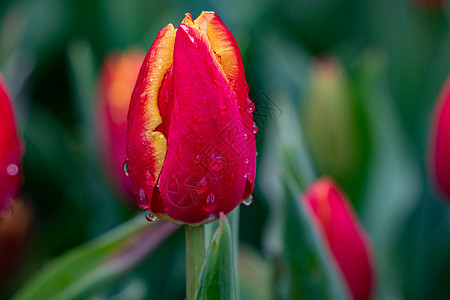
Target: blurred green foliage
[[395, 57]]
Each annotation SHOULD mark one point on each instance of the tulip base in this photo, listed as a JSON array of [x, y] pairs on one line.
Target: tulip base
[[195, 255]]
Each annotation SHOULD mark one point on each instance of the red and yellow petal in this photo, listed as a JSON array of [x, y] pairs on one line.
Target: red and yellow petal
[[205, 169], [147, 147], [227, 51]]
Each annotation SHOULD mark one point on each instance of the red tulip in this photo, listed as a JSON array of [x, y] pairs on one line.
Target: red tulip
[[190, 142], [439, 154], [342, 232], [10, 151], [118, 76]]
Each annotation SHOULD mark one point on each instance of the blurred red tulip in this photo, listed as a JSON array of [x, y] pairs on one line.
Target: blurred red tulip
[[439, 147], [190, 124], [118, 76], [10, 151], [341, 230]]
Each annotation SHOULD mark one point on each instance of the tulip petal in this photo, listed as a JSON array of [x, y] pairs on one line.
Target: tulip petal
[[147, 147], [10, 151], [341, 230], [440, 141], [225, 47], [204, 171]]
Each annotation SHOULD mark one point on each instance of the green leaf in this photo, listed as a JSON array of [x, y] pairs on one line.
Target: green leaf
[[217, 279], [310, 270], [89, 267]]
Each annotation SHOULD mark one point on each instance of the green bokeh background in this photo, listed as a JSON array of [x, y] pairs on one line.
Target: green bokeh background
[[394, 56]]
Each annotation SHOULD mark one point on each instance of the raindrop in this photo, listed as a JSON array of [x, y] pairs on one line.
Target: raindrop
[[149, 216], [248, 201], [222, 110], [218, 57], [176, 107], [204, 99], [255, 128], [142, 200], [149, 177], [12, 169], [197, 159], [210, 204], [250, 107], [246, 161], [126, 168], [202, 185], [217, 163]]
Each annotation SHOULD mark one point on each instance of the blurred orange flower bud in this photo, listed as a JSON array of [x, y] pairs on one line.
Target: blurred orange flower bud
[[118, 76]]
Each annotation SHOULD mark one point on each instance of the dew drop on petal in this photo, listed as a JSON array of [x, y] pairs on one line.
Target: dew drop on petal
[[126, 168], [142, 200], [149, 216], [255, 128], [202, 185], [250, 107], [248, 201], [210, 204]]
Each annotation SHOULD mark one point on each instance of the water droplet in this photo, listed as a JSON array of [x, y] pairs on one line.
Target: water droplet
[[204, 100], [176, 107], [222, 109], [210, 204], [142, 200], [255, 128], [202, 185], [12, 170], [250, 107], [149, 216], [248, 201], [197, 159], [126, 168], [246, 161], [180, 152], [149, 178], [217, 163], [218, 57]]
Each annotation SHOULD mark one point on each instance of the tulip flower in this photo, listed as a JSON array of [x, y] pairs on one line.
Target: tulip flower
[[347, 242], [439, 147], [190, 140], [118, 76], [10, 151]]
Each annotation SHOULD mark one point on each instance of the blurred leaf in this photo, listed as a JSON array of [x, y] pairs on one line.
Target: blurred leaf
[[88, 268], [255, 275], [217, 278], [311, 272]]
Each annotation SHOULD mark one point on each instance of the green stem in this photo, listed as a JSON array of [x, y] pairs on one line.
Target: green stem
[[195, 254]]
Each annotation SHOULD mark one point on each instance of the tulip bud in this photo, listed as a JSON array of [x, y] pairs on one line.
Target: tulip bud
[[331, 126], [439, 146], [10, 151], [118, 76], [190, 141], [331, 213]]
